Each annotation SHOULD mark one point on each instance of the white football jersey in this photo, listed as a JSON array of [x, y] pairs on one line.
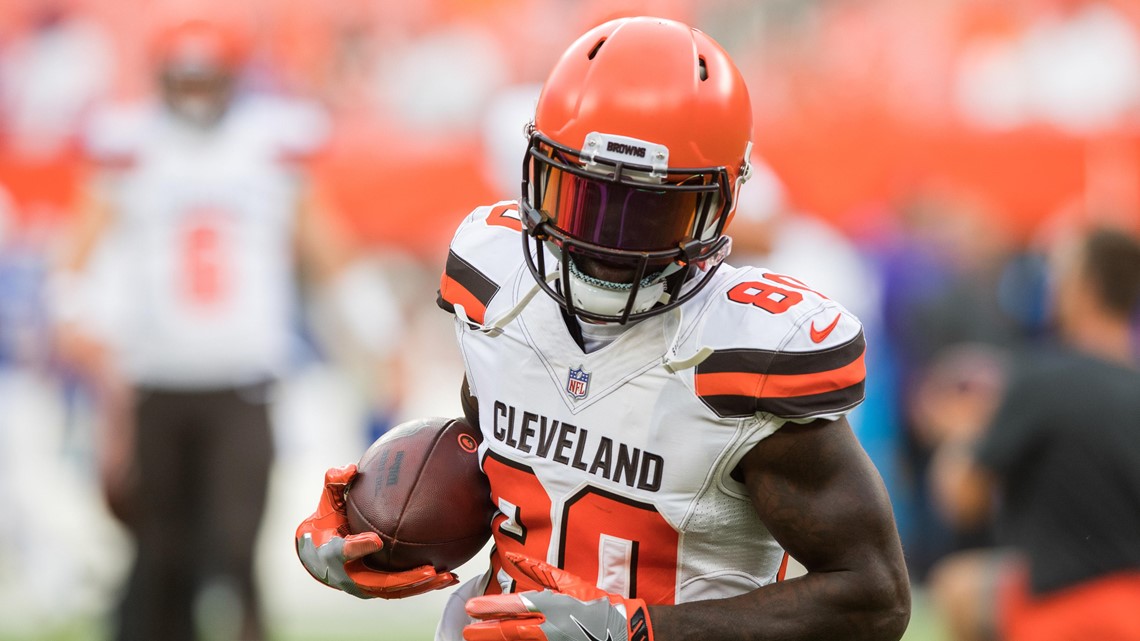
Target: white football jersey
[[617, 464], [205, 223]]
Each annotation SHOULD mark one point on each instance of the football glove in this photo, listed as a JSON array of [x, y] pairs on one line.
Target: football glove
[[336, 558], [570, 609]]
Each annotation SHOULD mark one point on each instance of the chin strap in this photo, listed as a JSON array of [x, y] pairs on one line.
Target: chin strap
[[495, 328], [674, 365], [677, 365]]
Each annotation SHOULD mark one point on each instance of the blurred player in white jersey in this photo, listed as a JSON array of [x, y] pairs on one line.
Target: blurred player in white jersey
[[660, 430], [201, 206]]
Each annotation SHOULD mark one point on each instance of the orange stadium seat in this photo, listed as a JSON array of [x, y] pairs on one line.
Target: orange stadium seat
[[44, 191], [401, 192]]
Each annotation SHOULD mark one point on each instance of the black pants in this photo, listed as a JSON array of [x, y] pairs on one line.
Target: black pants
[[203, 462]]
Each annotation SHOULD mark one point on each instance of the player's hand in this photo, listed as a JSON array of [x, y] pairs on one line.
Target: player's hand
[[336, 558], [569, 609]]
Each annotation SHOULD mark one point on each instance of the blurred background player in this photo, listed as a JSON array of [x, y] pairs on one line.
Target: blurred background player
[[1059, 466], [177, 300], [42, 100]]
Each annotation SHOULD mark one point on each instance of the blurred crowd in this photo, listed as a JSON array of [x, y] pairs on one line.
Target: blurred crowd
[[918, 161]]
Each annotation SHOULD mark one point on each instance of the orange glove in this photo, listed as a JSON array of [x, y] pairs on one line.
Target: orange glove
[[336, 558], [569, 609]]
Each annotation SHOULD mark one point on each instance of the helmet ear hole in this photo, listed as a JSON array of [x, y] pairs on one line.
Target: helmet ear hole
[[594, 50], [704, 68]]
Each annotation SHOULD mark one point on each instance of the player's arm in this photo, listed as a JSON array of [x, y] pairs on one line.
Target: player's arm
[[75, 345], [81, 348], [470, 404], [322, 244], [962, 488], [358, 317], [966, 472], [822, 499]]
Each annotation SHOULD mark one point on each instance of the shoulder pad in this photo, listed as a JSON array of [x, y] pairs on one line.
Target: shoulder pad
[[485, 251], [115, 134], [292, 129], [778, 347]]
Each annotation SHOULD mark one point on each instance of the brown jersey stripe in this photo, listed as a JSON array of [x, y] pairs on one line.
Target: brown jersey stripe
[[471, 279], [779, 386], [783, 363], [739, 406], [731, 406], [462, 284], [814, 404]]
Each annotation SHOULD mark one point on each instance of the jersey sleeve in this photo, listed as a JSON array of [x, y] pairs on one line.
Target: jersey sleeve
[[113, 136], [485, 251], [290, 131], [797, 362], [302, 128]]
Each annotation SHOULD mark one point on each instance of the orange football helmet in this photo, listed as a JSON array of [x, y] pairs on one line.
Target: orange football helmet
[[197, 62], [640, 140]]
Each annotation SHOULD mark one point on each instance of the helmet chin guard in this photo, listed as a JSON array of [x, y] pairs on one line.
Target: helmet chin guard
[[610, 299]]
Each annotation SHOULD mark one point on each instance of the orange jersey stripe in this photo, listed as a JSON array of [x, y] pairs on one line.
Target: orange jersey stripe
[[457, 294], [493, 585], [505, 216], [783, 571], [781, 386]]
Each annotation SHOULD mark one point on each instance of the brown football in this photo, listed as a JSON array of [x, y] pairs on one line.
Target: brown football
[[420, 488]]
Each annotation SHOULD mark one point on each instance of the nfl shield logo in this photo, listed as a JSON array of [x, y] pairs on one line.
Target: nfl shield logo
[[578, 383]]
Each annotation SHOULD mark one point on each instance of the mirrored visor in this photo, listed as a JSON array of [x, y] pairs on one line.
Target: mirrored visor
[[626, 214]]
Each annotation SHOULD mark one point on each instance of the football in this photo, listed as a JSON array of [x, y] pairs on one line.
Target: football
[[420, 488]]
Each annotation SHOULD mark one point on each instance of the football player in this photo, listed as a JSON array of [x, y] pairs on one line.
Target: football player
[[203, 209], [660, 430]]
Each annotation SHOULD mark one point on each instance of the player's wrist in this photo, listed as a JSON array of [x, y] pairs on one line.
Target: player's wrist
[[639, 615]]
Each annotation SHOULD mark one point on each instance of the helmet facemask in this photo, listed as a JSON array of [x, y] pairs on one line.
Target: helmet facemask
[[628, 234], [198, 95], [197, 63]]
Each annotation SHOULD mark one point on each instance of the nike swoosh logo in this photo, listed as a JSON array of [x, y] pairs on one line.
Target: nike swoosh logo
[[817, 335], [589, 635]]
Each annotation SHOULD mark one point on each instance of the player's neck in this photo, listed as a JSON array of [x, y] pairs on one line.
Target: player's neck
[[1103, 337], [597, 335]]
